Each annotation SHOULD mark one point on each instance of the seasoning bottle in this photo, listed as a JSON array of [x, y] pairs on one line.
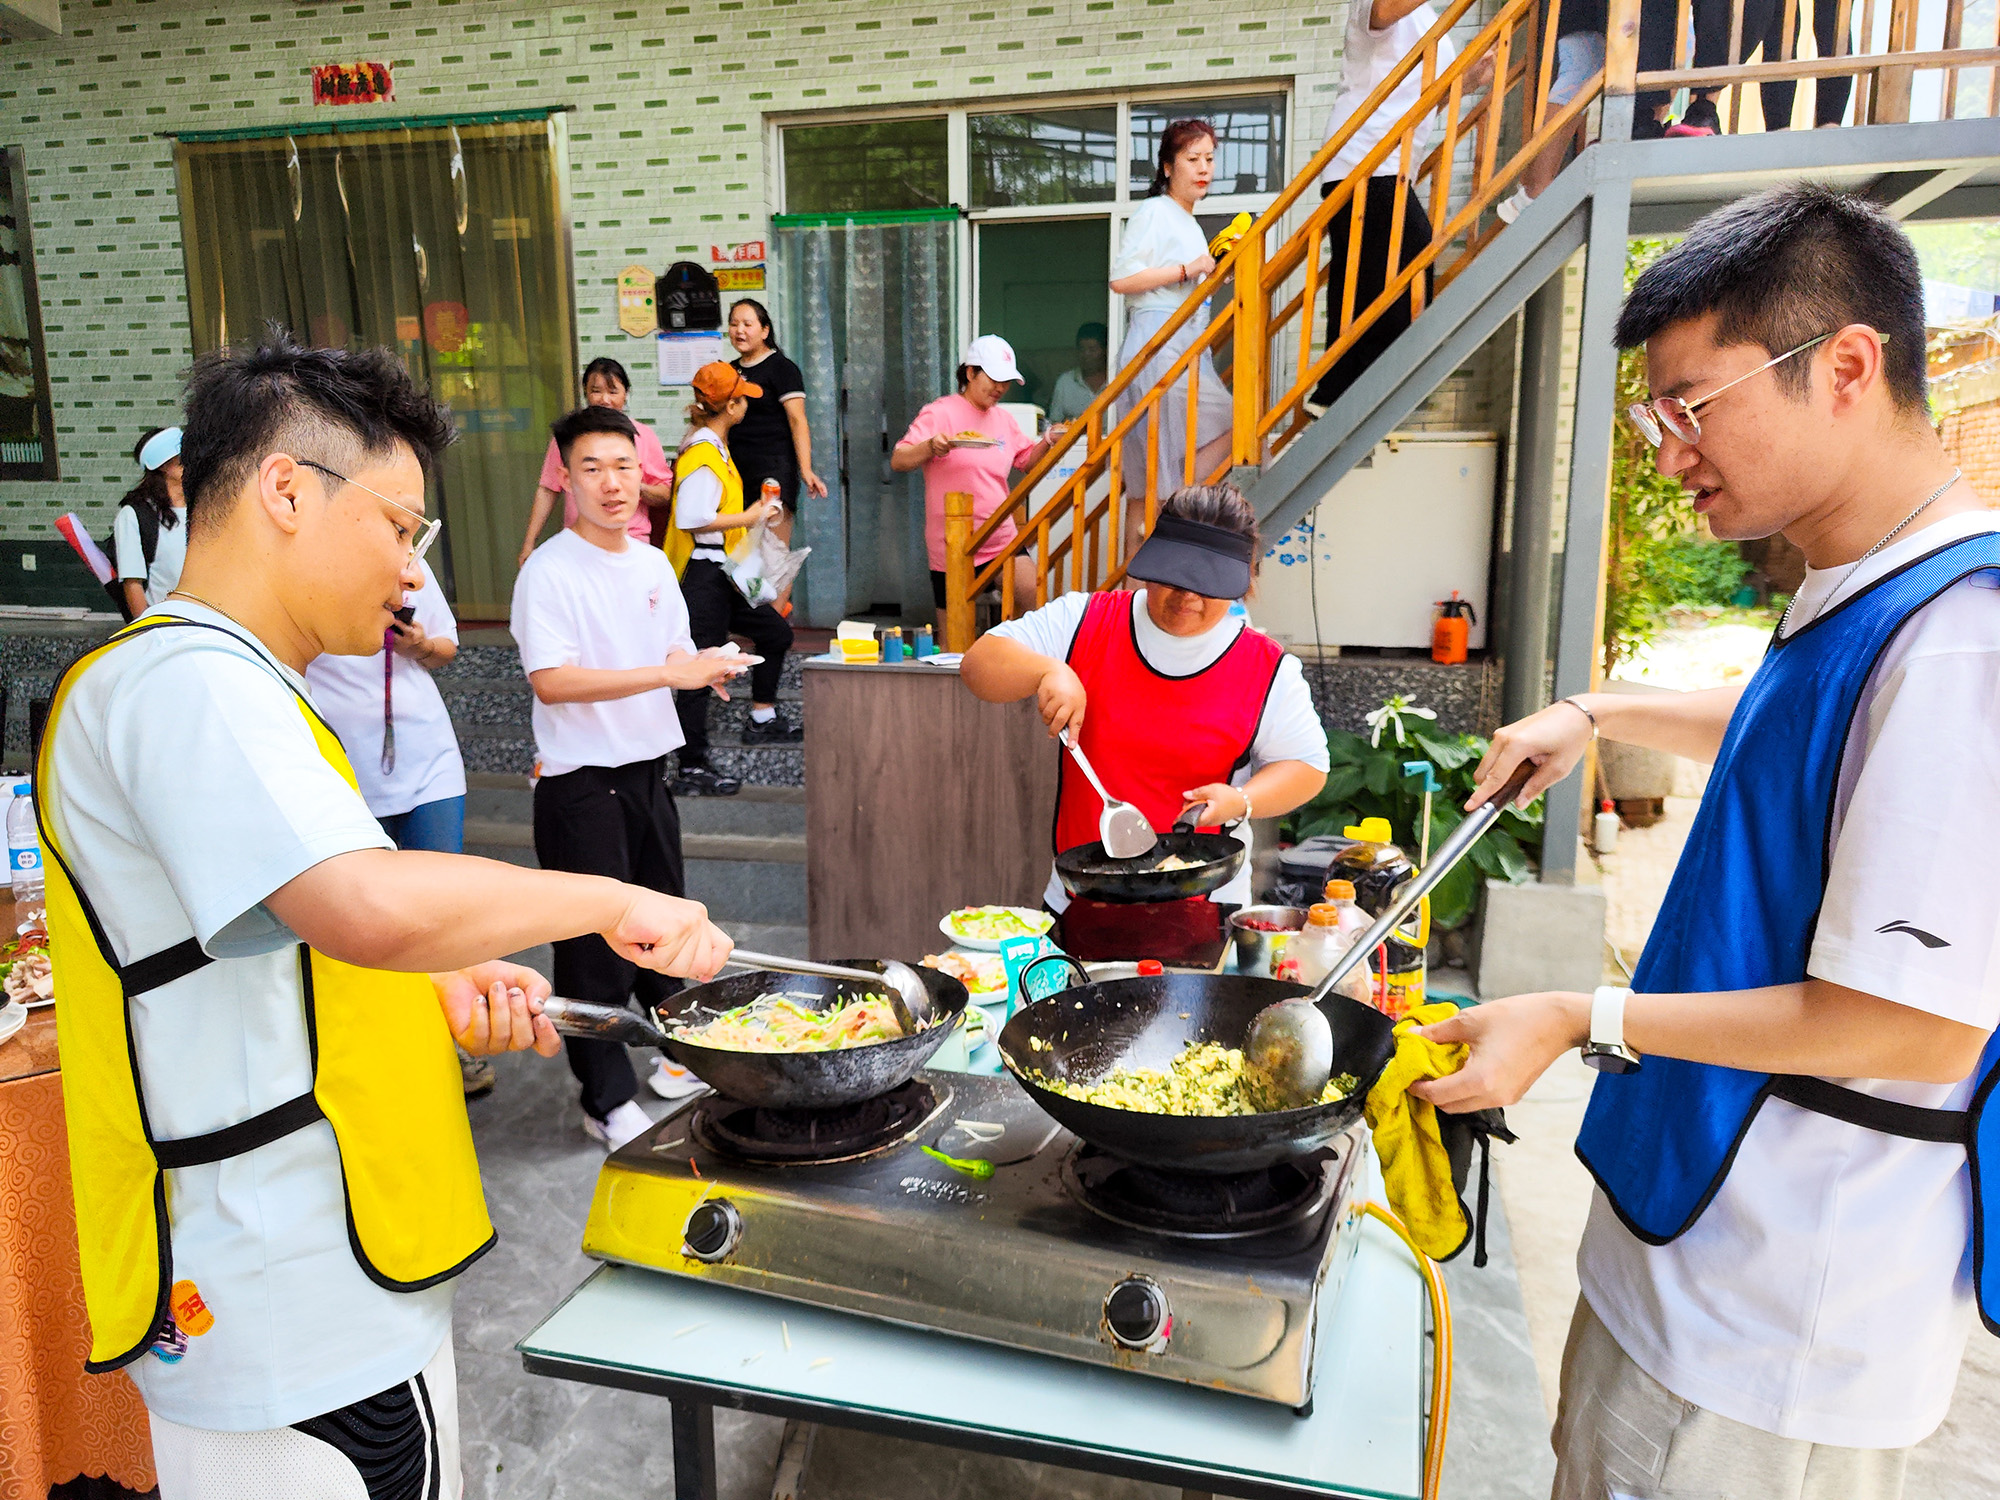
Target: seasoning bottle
[[924, 643], [1313, 951], [892, 644]]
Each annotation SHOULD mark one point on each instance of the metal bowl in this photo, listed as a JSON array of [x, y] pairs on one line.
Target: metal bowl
[[1255, 950]]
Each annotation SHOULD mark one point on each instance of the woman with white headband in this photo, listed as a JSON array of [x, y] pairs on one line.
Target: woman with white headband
[[150, 533]]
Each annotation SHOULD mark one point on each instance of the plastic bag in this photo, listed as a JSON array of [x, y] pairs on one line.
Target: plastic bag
[[761, 566]]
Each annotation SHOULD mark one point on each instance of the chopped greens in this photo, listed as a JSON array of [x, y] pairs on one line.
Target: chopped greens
[[1206, 1079], [778, 1023]]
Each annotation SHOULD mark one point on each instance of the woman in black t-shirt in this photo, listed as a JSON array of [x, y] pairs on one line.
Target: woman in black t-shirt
[[772, 441]]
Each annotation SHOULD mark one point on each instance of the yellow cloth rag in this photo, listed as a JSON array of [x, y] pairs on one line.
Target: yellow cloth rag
[[1415, 1168]]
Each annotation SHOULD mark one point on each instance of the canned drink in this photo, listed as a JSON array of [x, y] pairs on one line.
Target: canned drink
[[770, 489]]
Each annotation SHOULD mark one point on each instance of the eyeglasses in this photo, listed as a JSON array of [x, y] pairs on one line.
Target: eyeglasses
[[1670, 414], [427, 526]]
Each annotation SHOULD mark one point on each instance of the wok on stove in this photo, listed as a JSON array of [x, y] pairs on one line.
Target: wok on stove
[[1087, 871], [804, 1080], [1147, 1023]]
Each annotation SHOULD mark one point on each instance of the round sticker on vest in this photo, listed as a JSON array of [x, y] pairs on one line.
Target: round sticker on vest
[[191, 1314]]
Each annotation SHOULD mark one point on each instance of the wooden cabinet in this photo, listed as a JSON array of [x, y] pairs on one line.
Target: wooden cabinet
[[919, 799]]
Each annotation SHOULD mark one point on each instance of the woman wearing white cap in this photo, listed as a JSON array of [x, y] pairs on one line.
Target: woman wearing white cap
[[967, 444], [149, 535]]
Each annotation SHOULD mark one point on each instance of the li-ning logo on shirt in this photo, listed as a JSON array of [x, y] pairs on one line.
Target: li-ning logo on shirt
[[1928, 939], [653, 602]]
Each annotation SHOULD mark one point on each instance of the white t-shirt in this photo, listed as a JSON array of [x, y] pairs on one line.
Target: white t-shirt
[[698, 501], [1369, 57], [1160, 233], [163, 575], [348, 690], [576, 605], [189, 788], [1824, 1294], [1289, 730]]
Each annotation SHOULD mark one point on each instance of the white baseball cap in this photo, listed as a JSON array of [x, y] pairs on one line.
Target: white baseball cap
[[994, 355]]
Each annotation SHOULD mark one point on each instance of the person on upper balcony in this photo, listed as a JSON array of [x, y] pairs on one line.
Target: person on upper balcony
[[1380, 34], [1162, 257]]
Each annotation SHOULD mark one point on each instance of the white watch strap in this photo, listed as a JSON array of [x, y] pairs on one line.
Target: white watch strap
[[1607, 1015]]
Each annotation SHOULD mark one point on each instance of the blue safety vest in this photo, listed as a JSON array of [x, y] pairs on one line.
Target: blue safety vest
[[1740, 914]]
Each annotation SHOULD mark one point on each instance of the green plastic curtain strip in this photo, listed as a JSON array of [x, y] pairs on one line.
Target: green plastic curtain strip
[[870, 216], [354, 127]]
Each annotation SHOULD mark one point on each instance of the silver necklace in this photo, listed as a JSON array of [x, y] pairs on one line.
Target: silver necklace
[[1887, 537]]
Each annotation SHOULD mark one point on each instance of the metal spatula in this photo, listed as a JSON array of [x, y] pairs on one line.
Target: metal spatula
[[907, 994], [1122, 827]]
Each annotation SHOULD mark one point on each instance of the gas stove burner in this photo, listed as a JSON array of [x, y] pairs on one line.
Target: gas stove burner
[[850, 1132], [1187, 1205]]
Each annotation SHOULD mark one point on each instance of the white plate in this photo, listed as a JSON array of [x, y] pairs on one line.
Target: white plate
[[12, 1019], [1039, 921]]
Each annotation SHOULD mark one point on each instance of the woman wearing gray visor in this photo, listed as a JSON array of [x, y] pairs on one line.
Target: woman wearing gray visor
[[1178, 703]]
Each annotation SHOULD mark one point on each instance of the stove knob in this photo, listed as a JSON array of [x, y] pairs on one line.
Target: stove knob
[[1137, 1315], [712, 1230]]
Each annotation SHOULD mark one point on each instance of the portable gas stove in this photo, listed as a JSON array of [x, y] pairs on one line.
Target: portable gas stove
[[1063, 1250]]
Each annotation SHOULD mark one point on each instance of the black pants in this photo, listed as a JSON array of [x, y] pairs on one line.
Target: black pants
[[1831, 96], [756, 467], [717, 611], [1711, 21], [618, 821], [1374, 273]]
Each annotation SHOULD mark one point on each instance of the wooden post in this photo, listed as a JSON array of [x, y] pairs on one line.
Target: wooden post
[[1621, 57], [1252, 361], [958, 571]]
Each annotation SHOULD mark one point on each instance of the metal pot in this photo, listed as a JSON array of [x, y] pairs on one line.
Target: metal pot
[[1256, 950]]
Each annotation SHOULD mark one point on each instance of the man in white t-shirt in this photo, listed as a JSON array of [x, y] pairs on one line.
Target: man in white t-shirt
[[273, 1169], [1781, 1266], [603, 635]]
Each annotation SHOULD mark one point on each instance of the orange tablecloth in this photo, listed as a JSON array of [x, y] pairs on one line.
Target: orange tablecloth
[[56, 1422]]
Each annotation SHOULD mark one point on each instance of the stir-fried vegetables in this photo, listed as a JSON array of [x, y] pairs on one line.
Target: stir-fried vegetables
[[991, 923], [778, 1023], [1206, 1079]]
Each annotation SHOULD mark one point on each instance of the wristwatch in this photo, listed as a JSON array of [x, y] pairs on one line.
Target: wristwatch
[[1606, 1050]]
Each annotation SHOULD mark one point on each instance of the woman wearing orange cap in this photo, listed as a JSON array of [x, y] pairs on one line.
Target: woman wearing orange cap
[[708, 505]]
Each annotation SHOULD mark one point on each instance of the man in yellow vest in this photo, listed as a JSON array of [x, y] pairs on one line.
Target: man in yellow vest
[[275, 1180]]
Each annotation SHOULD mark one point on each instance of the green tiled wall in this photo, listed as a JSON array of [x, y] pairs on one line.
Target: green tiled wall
[[668, 150]]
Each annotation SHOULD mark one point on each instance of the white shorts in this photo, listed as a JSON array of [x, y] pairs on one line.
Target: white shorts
[[1578, 55], [399, 1445]]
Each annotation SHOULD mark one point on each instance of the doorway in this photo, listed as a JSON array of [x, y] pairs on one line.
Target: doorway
[[1040, 281]]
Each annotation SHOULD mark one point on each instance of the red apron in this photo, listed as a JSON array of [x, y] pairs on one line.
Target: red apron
[[1151, 736]]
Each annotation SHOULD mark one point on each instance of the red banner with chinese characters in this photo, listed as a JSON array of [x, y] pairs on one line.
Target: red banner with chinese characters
[[353, 83]]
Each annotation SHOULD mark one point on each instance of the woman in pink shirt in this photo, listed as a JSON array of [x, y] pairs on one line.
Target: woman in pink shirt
[[965, 443], [605, 383]]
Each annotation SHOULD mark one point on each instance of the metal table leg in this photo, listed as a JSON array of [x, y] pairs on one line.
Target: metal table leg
[[694, 1448]]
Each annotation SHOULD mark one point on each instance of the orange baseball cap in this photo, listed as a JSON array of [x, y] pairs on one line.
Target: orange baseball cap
[[719, 384]]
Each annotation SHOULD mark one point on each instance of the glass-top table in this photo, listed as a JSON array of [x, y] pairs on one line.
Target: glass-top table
[[702, 1346]]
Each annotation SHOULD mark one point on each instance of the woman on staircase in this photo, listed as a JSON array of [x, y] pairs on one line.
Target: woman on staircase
[[1162, 256]]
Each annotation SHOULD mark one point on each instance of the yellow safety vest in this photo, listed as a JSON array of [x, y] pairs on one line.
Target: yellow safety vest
[[680, 544], [385, 1077]]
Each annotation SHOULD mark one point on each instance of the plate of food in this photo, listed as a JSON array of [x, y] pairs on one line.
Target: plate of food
[[12, 1018], [26, 975], [980, 973], [987, 927], [971, 438]]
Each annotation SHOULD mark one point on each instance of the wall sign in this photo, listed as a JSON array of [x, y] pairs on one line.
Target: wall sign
[[636, 313], [681, 354], [446, 325], [747, 251], [353, 83], [740, 279]]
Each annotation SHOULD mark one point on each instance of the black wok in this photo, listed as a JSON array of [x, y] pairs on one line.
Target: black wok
[[1081, 1034], [781, 1080], [1089, 872]]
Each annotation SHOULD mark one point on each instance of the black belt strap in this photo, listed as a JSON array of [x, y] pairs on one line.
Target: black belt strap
[[162, 968], [1911, 1121], [243, 1136]]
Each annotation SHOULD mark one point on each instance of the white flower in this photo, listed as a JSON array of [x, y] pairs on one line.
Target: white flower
[[1392, 713]]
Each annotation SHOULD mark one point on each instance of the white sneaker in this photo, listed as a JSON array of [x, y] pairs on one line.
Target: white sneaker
[[620, 1126], [672, 1081], [1509, 209]]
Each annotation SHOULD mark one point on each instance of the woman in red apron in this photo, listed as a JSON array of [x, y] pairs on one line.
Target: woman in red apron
[[1179, 704]]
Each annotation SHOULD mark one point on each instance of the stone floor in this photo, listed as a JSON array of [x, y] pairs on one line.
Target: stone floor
[[528, 1438]]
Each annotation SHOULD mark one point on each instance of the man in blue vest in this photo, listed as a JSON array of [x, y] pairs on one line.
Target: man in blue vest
[[1788, 1241]]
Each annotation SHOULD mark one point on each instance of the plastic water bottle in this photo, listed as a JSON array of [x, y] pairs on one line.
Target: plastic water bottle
[[24, 861]]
